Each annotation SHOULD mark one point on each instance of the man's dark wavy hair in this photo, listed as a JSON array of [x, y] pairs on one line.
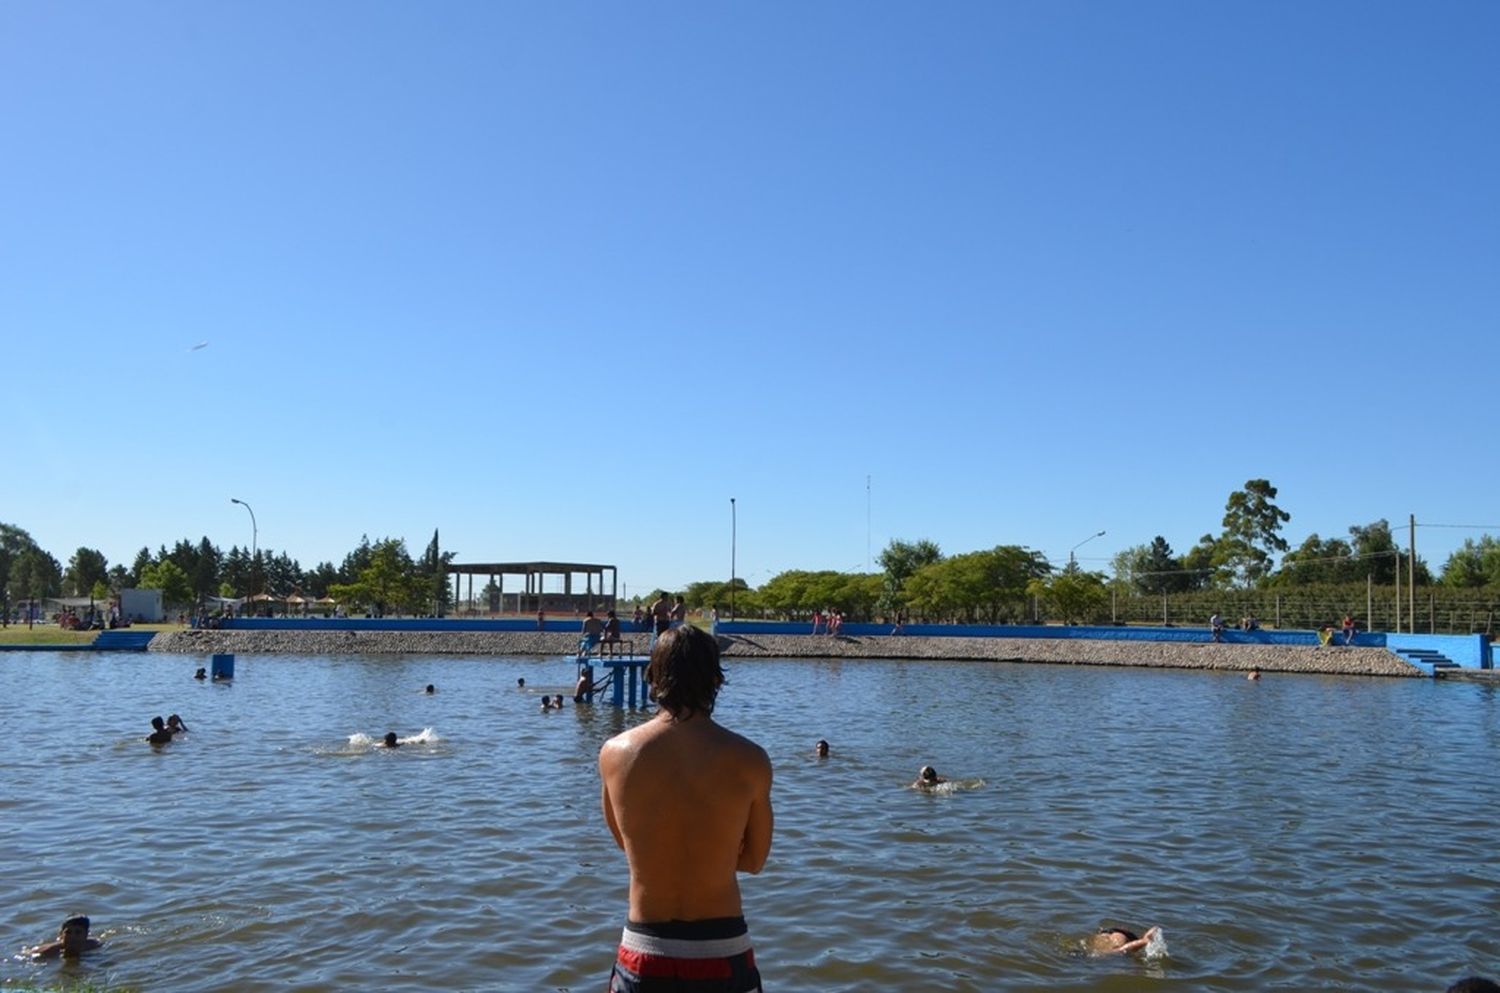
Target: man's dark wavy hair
[[684, 671]]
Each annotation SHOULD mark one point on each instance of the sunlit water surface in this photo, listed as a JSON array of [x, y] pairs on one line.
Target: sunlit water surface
[[1296, 833]]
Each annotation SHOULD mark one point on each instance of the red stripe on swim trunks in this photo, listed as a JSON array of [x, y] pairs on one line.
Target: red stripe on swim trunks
[[655, 966]]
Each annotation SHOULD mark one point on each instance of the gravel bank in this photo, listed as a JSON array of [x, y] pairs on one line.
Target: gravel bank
[[1169, 655]]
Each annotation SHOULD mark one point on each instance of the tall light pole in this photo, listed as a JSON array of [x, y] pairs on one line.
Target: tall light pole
[[254, 542], [1072, 560], [733, 540], [254, 531]]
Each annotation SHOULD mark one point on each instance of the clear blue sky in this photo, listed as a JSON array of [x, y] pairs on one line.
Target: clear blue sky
[[561, 279]]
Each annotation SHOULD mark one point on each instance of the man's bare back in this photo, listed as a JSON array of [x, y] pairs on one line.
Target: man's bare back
[[690, 803]]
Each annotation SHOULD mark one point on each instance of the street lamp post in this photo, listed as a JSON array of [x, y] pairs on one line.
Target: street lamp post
[[1072, 560], [254, 531], [733, 540], [254, 541]]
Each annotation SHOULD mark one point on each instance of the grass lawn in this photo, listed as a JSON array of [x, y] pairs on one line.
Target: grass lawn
[[51, 634]]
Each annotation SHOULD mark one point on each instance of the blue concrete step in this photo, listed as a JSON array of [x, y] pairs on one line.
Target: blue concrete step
[[1426, 659], [123, 640]]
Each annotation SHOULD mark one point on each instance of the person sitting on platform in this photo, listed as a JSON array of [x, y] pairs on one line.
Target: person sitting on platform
[[593, 629], [611, 629]]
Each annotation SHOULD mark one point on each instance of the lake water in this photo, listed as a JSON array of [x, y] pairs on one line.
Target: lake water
[[1301, 832]]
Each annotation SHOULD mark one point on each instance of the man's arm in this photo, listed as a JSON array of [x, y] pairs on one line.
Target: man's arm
[[756, 844], [1139, 943]]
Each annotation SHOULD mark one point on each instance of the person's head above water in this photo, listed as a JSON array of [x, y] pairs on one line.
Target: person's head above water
[[1474, 984], [927, 774], [74, 934], [520, 680], [158, 723], [684, 672], [821, 748], [431, 688], [201, 674], [390, 740]]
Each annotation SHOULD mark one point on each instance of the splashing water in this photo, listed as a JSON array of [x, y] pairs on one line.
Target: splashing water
[[1156, 946]]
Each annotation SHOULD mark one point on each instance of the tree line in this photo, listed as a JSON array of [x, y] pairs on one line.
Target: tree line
[[1006, 583], [381, 575]]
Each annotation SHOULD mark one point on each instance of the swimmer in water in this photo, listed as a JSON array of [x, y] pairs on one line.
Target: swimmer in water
[[390, 740], [557, 702], [175, 725], [546, 703], [430, 689], [72, 941], [1254, 675], [1118, 941], [821, 749], [520, 682], [201, 674], [159, 734], [1474, 984], [927, 778]]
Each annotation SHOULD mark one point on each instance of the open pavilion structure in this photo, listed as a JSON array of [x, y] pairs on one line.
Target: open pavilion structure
[[554, 587]]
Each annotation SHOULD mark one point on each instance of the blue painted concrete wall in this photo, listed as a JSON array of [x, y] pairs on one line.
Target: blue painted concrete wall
[[1472, 651], [1363, 639]]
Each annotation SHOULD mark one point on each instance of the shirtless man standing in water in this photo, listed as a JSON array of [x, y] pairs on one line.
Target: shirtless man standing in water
[[690, 803]]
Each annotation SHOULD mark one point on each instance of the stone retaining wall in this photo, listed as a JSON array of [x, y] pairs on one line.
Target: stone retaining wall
[[1173, 655]]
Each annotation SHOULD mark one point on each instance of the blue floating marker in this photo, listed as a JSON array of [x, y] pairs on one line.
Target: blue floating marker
[[221, 667]]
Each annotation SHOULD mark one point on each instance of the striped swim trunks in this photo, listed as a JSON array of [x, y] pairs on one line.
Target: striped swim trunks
[[708, 956]]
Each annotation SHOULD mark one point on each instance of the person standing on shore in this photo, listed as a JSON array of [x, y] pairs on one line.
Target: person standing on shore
[[689, 802], [661, 614]]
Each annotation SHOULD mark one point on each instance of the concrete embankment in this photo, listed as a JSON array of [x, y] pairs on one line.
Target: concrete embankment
[[1170, 655]]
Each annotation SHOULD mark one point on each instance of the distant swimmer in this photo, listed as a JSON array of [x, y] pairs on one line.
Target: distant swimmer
[[520, 682], [175, 725], [159, 734], [390, 740], [201, 674], [927, 778], [1119, 941], [821, 749], [1254, 675], [546, 703], [1474, 984], [430, 689], [72, 941], [557, 701]]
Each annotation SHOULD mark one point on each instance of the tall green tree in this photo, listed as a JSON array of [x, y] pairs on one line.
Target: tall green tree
[[13, 541], [175, 584], [1072, 597], [34, 574], [87, 567], [900, 560], [1252, 533], [1474, 564], [432, 568], [388, 583]]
